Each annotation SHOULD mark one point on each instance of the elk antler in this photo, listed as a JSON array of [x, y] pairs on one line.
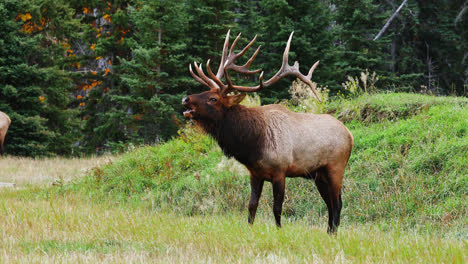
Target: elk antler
[[227, 63]]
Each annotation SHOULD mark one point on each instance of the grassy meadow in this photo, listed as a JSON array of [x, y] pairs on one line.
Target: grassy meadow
[[28, 171], [67, 228], [405, 198]]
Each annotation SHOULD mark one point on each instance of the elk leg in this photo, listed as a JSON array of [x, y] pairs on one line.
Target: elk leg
[[340, 205], [322, 186], [278, 198], [1, 147], [256, 186], [335, 177]]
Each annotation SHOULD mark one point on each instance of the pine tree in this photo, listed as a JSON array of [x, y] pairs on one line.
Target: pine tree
[[134, 71], [360, 21], [157, 74], [209, 22], [103, 99], [314, 39], [34, 89], [426, 45], [442, 45]]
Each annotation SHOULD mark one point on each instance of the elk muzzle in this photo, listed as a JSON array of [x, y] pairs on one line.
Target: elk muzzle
[[186, 101], [186, 104]]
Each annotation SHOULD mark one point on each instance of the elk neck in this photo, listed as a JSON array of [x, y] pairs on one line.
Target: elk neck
[[240, 133]]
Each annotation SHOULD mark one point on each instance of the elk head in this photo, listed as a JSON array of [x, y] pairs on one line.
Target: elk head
[[211, 105]]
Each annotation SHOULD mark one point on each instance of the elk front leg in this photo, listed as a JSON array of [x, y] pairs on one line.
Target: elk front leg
[[256, 186], [278, 198]]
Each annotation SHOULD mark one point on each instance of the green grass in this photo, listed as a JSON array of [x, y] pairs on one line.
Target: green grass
[[414, 170], [388, 107]]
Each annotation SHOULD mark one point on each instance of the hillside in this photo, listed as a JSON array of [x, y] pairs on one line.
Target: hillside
[[408, 170]]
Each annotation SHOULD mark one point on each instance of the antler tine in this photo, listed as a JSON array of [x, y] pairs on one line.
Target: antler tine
[[249, 88], [228, 62], [247, 64], [246, 47], [230, 87], [234, 43], [200, 80], [210, 83], [220, 71], [227, 89], [284, 66], [308, 82], [286, 52], [213, 76], [312, 69], [260, 78], [244, 69]]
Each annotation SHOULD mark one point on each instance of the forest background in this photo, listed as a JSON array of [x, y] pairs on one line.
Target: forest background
[[85, 77]]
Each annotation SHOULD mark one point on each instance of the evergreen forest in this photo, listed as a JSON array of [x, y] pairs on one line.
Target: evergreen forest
[[87, 76]]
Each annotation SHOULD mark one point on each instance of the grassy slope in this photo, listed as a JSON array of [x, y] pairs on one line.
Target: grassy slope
[[410, 161], [408, 168]]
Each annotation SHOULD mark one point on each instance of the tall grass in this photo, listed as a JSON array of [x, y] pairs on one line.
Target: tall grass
[[66, 228]]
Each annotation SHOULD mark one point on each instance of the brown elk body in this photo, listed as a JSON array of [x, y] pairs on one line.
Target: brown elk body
[[4, 124], [271, 141]]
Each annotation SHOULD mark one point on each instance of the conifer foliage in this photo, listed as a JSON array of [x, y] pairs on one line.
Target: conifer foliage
[[35, 87], [93, 76]]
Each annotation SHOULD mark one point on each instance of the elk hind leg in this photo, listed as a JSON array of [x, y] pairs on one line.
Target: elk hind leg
[[278, 197], [335, 177], [1, 147], [321, 181]]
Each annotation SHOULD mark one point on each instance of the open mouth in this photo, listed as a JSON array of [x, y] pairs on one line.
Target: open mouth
[[189, 113]]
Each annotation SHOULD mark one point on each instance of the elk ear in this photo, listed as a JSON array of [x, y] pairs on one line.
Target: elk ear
[[235, 99]]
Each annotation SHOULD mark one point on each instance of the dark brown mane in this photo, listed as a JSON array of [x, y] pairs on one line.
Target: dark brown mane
[[240, 134]]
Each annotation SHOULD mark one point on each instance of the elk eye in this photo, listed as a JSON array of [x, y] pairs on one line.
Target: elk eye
[[212, 99]]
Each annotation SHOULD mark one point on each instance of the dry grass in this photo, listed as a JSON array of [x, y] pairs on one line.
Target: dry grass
[[23, 171], [68, 229]]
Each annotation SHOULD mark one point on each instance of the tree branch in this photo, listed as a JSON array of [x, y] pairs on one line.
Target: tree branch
[[390, 20], [460, 15]]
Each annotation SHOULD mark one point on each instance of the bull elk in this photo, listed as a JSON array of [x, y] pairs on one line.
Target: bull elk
[[4, 124], [271, 141]]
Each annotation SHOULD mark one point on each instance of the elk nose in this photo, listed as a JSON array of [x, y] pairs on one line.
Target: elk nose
[[185, 101]]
